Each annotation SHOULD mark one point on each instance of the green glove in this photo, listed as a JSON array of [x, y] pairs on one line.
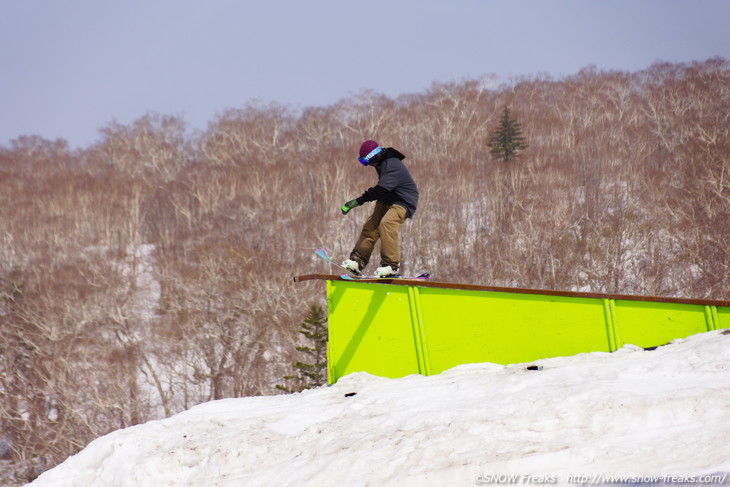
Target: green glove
[[349, 206]]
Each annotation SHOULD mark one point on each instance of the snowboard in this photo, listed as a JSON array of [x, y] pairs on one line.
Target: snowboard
[[352, 275], [420, 277]]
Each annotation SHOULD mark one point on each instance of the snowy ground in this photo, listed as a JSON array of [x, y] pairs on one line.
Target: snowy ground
[[582, 419]]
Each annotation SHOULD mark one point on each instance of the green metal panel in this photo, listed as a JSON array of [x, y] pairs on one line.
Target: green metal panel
[[464, 326], [400, 328], [370, 329], [723, 317], [648, 324]]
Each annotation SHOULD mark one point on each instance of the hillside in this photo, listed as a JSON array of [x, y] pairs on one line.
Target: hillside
[[656, 415]]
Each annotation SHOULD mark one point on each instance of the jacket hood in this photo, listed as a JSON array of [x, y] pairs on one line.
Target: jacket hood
[[389, 152]]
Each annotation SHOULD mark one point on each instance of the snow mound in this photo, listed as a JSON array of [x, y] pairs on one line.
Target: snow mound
[[629, 413]]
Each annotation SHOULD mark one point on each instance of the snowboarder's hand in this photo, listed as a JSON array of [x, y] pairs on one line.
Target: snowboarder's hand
[[349, 206]]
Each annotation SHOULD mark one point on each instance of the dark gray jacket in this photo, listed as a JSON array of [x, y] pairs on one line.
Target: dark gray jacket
[[395, 184]]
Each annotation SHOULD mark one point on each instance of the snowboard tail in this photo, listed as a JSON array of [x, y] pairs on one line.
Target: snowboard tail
[[324, 255]]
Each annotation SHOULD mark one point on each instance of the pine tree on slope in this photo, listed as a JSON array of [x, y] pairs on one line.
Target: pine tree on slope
[[507, 140]]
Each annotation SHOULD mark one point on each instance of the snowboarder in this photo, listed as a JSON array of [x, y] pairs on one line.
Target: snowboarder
[[396, 197]]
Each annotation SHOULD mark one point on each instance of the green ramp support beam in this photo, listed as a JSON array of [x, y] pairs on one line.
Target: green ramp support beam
[[396, 327]]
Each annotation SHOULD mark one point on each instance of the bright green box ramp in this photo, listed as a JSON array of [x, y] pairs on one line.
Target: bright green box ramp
[[394, 328]]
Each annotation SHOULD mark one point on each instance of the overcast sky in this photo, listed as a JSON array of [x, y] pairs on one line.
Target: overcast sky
[[67, 68]]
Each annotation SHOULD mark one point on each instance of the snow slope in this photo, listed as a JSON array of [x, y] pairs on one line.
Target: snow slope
[[630, 413]]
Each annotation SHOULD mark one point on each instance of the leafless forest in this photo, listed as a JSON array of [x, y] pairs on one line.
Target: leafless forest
[[153, 270]]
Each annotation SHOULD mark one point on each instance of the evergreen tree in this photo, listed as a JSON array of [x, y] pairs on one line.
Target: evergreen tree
[[312, 373], [507, 140]]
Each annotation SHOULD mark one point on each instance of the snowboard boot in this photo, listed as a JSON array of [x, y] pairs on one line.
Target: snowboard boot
[[352, 266], [386, 271]]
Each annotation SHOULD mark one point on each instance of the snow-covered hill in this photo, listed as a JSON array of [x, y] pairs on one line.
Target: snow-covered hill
[[662, 413]]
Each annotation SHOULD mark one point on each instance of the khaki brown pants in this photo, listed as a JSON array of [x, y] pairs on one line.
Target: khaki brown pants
[[383, 224]]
